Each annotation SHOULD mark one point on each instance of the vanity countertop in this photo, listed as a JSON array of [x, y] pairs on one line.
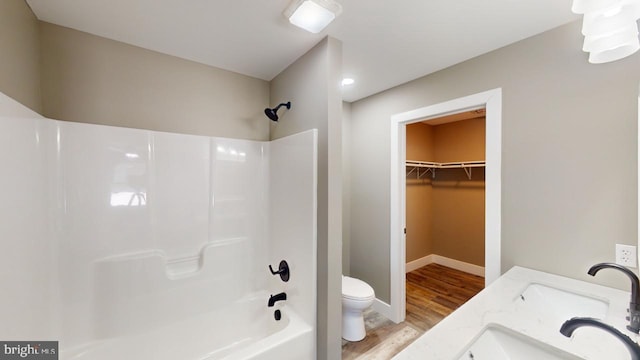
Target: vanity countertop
[[500, 304]]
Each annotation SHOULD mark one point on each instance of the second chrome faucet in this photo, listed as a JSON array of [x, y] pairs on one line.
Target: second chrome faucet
[[634, 303]]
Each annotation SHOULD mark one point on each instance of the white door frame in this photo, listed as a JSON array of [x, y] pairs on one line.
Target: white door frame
[[638, 205], [492, 101]]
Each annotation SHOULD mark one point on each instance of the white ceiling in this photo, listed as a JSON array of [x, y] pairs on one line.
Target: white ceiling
[[385, 43]]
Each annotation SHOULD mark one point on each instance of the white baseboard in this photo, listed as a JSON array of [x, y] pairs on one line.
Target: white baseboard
[[445, 261], [417, 264]]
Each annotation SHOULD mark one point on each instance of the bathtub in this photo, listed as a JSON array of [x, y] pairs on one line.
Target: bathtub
[[246, 329]]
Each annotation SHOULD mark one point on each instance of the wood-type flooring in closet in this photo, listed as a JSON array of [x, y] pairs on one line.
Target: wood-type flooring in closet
[[433, 292]]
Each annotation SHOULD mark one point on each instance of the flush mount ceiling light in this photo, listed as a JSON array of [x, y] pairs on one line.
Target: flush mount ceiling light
[[312, 15], [609, 27]]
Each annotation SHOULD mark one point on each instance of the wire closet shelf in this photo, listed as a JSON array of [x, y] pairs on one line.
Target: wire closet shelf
[[428, 166]]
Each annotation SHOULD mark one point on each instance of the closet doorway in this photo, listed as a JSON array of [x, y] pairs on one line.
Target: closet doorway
[[445, 197], [491, 101], [445, 192]]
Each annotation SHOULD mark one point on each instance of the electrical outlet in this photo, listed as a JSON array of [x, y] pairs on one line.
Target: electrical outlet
[[626, 255]]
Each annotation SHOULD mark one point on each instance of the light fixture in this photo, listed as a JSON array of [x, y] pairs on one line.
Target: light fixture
[[601, 24], [312, 15], [614, 54], [347, 81], [609, 27], [589, 6], [611, 41]]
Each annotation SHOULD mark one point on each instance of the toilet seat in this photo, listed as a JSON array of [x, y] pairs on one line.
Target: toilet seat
[[358, 290]]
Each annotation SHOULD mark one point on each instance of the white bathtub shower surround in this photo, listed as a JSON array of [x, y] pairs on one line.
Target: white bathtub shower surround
[[114, 237], [241, 331], [291, 162], [29, 306], [127, 193]]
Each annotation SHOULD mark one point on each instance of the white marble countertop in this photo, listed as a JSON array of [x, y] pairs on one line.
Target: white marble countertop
[[497, 304]]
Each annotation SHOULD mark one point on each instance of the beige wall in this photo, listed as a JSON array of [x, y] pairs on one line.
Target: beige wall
[[419, 192], [20, 54], [458, 203], [86, 78], [560, 116], [460, 141], [312, 84], [445, 215]]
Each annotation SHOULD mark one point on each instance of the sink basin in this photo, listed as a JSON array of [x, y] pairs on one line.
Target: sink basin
[[499, 343], [557, 305]]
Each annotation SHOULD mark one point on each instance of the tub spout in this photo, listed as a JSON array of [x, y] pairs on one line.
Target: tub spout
[[278, 297]]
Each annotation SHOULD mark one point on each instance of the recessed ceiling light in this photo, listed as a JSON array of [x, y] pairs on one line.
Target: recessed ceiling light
[[347, 81], [312, 15]]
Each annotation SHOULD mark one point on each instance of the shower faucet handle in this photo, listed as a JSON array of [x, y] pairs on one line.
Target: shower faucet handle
[[283, 271]]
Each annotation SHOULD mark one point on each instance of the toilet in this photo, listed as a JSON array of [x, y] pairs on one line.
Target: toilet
[[357, 296]]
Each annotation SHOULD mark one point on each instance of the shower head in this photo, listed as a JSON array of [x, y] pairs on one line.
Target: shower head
[[273, 113]]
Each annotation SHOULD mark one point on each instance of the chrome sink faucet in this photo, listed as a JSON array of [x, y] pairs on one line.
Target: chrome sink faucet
[[570, 326], [634, 304]]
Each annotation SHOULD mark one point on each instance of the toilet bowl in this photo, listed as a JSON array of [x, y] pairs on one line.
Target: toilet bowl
[[357, 296]]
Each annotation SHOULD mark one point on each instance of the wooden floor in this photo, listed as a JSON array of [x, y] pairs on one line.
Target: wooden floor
[[433, 292]]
